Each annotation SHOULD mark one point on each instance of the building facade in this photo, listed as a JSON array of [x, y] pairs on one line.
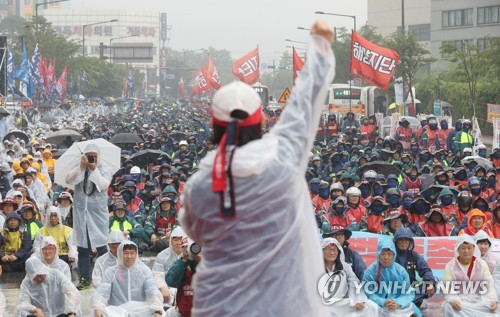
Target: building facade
[[27, 8]]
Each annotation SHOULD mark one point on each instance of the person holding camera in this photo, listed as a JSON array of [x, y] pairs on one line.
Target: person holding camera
[[180, 276], [90, 212]]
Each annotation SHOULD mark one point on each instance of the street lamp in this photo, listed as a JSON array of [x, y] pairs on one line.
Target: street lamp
[[117, 38], [339, 15], [303, 28], [297, 48], [83, 32], [288, 40]]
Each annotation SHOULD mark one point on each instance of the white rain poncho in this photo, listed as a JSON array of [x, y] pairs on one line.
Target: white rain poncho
[[56, 295], [121, 286], [492, 259], [63, 235], [472, 304], [345, 307], [90, 205], [57, 264], [107, 260], [165, 259], [268, 257]]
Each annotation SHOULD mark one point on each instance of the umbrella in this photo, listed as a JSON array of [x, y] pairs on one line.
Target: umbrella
[[109, 157], [392, 106], [58, 137], [380, 167], [177, 136], [445, 104], [146, 156], [19, 135], [59, 153], [480, 161], [65, 106], [432, 193], [4, 112], [126, 138]]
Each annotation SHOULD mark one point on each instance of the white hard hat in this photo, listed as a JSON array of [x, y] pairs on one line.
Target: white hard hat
[[353, 191], [135, 170], [183, 142]]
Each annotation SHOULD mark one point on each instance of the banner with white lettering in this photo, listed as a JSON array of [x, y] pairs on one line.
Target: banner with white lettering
[[372, 63], [478, 137], [394, 124], [247, 67], [398, 91], [496, 134]]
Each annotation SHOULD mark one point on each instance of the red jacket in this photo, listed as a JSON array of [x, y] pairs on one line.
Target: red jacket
[[357, 213], [432, 229], [443, 137]]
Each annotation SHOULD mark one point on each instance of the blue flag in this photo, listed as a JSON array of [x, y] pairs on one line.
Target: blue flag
[[23, 73], [84, 77], [35, 66], [10, 71]]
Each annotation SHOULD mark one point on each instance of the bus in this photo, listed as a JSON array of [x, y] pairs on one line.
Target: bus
[[363, 101], [263, 92]]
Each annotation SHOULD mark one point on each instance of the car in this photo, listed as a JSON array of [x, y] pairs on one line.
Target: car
[[386, 124]]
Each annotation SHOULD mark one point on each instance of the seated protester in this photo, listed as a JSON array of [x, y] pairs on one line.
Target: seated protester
[[322, 201], [464, 203], [393, 197], [32, 224], [414, 263], [160, 223], [474, 185], [406, 203], [337, 215], [164, 261], [487, 193], [494, 223], [132, 230], [493, 184], [47, 252], [336, 190], [442, 178], [354, 302], [447, 202], [394, 220], [128, 288], [351, 256], [36, 186], [314, 187], [108, 259], [6, 207], [378, 188], [47, 292], [355, 209], [483, 205], [467, 266], [65, 207], [476, 221], [15, 244], [62, 234], [171, 193], [365, 189], [396, 301], [412, 182], [134, 205], [460, 178], [484, 243], [376, 213], [418, 209], [436, 224]]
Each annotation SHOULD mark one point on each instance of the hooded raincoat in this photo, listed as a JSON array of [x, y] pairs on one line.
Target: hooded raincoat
[[492, 259], [273, 214], [393, 273], [166, 258], [476, 305], [132, 289], [90, 211], [55, 295], [106, 260], [470, 230], [57, 264]]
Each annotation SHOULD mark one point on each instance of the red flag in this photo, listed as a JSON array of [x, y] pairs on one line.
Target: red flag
[[50, 75], [61, 84], [298, 63], [372, 63], [247, 67], [211, 74], [181, 87]]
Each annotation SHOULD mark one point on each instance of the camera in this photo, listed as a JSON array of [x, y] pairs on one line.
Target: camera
[[193, 248], [91, 159]]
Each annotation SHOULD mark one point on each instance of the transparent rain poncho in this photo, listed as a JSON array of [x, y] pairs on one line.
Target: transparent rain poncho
[[57, 264], [107, 260], [492, 259]]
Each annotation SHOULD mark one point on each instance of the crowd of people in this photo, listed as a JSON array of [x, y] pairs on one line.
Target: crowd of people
[[420, 183]]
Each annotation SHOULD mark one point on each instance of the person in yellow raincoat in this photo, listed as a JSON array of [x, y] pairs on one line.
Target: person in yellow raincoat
[[49, 161]]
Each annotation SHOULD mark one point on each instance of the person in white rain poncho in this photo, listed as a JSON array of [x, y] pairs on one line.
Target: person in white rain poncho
[[48, 291], [47, 252], [128, 288], [107, 260], [90, 209], [484, 243], [346, 302], [257, 202], [467, 266], [165, 260]]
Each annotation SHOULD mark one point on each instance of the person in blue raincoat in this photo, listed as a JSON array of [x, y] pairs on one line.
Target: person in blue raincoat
[[232, 204], [414, 263], [398, 301]]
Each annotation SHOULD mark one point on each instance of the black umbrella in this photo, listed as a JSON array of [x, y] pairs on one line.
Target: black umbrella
[[179, 136], [145, 156], [126, 138], [380, 167], [19, 135], [66, 106], [432, 193], [60, 136]]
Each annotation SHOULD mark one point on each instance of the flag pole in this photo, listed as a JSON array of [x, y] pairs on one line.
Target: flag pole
[[350, 75]]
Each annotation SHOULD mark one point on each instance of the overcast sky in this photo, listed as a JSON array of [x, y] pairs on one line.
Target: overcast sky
[[238, 25]]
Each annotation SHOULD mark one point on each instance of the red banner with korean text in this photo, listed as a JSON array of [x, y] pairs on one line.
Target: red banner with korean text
[[200, 84], [247, 67], [211, 74], [298, 63], [372, 63]]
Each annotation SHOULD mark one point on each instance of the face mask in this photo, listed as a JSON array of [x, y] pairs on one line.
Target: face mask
[[461, 176], [406, 204], [345, 159], [365, 191], [482, 153], [339, 210], [335, 159], [424, 158], [420, 208], [442, 182], [346, 186], [433, 126], [437, 157], [444, 125], [423, 123], [484, 185], [466, 128], [394, 201], [475, 191], [377, 209], [333, 196], [446, 200], [405, 124], [491, 182], [392, 183], [324, 193], [496, 156], [481, 207], [414, 150], [472, 165], [378, 191], [458, 127], [315, 188]]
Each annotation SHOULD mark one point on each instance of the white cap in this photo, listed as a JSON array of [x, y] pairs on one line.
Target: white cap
[[18, 182], [235, 96], [178, 232], [115, 236], [183, 142], [135, 170]]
